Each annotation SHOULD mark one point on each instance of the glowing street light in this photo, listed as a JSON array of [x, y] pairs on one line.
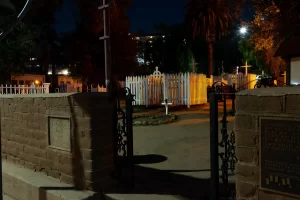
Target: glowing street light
[[243, 30]]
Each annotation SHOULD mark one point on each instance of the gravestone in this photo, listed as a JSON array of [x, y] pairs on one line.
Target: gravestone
[[59, 133]]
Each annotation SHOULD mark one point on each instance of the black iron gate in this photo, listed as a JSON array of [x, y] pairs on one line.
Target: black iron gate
[[124, 138], [222, 149]]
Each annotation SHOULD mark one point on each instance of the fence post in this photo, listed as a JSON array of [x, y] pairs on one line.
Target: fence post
[[146, 91], [166, 85], [189, 90], [214, 148], [129, 128]]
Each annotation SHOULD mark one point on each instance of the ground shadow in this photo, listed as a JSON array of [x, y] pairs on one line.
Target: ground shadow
[[77, 169], [167, 182], [149, 159]]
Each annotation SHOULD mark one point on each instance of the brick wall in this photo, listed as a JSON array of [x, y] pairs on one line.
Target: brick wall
[[25, 141], [250, 105]]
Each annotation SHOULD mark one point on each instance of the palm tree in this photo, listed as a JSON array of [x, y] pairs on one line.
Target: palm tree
[[212, 19]]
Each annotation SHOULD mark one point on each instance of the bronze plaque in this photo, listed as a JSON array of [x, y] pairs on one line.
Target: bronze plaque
[[280, 155]]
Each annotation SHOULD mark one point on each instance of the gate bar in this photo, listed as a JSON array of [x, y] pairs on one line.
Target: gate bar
[[129, 128], [214, 148]]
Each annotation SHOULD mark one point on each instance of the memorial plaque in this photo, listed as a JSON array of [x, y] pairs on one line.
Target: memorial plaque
[[280, 155], [59, 133]]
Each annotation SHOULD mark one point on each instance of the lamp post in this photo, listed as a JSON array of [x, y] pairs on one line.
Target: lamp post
[[6, 9]]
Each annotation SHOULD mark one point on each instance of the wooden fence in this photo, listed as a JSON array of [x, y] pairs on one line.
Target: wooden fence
[[179, 89], [241, 81]]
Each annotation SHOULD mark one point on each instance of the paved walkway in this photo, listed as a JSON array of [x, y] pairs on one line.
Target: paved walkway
[[174, 159]]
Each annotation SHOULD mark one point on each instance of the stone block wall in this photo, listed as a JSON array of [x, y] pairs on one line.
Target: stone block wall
[[250, 106], [78, 150]]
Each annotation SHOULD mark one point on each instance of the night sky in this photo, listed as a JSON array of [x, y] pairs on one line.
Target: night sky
[[144, 14]]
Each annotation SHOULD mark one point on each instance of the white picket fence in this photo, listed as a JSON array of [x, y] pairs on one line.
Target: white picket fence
[[179, 89], [24, 89]]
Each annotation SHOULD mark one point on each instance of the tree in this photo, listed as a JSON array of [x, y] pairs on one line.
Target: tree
[[86, 48], [212, 19], [250, 54], [173, 44], [16, 47], [267, 34], [283, 15], [15, 50], [185, 59]]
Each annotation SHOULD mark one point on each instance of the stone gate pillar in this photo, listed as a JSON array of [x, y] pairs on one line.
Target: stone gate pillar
[[267, 128]]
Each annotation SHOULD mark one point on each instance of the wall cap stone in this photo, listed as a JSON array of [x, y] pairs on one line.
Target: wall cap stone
[[55, 95], [272, 91]]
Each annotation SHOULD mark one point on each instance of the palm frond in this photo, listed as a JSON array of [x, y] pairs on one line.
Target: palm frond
[[212, 17]]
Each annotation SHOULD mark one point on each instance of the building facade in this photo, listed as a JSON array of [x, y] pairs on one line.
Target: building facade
[[150, 49]]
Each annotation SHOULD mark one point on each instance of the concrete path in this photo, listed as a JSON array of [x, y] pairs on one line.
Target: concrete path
[[173, 160]]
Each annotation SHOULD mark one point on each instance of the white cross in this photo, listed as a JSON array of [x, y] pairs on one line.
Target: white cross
[[194, 65], [284, 75], [166, 104], [246, 66], [237, 69]]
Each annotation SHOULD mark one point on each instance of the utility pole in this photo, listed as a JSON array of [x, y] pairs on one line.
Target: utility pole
[[106, 39]]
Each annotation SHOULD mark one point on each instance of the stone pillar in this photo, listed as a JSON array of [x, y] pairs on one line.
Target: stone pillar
[[67, 136], [46, 87], [252, 106]]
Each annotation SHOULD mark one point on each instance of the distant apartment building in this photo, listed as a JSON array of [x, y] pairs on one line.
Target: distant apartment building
[[150, 49]]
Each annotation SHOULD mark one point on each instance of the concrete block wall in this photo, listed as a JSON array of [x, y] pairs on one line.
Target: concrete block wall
[[250, 105], [24, 131]]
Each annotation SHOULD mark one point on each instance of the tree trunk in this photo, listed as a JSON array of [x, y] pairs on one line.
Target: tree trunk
[[5, 76], [210, 59]]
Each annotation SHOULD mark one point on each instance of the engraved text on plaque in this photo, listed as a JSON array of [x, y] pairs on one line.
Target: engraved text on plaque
[[59, 133], [280, 155]]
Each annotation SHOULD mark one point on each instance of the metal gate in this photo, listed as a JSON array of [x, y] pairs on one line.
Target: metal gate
[[222, 145], [124, 139]]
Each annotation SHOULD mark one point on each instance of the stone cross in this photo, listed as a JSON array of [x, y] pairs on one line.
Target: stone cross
[[166, 104], [237, 69], [246, 66]]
